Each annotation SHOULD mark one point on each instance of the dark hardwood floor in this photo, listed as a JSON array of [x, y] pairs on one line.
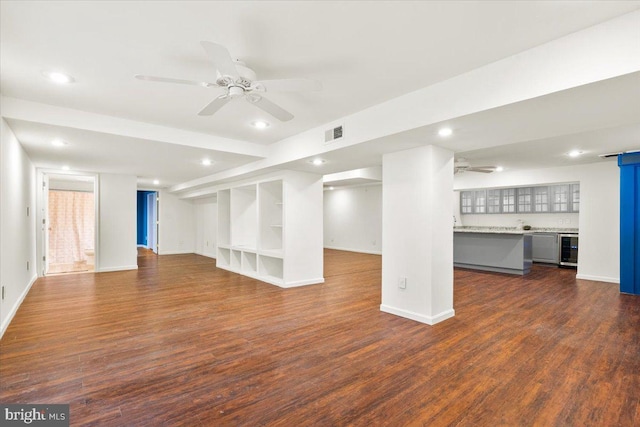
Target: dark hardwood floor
[[181, 343]]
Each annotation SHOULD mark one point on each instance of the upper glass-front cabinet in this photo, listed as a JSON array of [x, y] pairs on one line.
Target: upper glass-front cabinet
[[559, 198]]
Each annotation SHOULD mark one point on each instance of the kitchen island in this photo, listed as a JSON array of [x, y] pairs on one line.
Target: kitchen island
[[498, 249]]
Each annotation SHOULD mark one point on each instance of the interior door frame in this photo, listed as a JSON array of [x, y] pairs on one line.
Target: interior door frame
[[42, 204], [152, 221]]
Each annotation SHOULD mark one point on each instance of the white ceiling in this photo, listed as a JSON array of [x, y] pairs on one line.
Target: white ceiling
[[363, 52]]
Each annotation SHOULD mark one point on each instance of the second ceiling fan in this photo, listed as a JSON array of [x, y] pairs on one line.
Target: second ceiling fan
[[239, 81]]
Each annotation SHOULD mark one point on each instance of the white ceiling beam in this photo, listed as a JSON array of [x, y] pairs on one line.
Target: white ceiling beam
[[20, 109], [601, 52]]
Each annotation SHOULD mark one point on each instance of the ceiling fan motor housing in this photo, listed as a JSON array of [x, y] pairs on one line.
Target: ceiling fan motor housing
[[236, 91]]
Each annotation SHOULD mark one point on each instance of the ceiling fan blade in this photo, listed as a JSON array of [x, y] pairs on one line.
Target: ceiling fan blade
[[269, 107], [170, 80], [214, 105], [481, 170], [221, 59], [289, 85]]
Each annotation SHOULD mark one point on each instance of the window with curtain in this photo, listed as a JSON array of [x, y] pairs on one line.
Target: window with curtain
[[71, 225]]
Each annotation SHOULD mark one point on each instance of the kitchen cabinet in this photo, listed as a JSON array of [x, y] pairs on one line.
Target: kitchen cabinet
[[474, 201], [497, 251], [558, 198], [545, 247]]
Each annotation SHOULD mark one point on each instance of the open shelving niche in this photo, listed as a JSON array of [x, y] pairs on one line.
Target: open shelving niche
[[253, 231]]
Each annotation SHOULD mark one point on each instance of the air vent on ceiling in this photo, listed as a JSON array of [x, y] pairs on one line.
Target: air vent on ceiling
[[333, 134]]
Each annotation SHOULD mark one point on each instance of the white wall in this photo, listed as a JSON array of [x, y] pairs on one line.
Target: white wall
[[353, 219], [599, 217], [206, 212], [117, 249], [177, 225], [17, 230]]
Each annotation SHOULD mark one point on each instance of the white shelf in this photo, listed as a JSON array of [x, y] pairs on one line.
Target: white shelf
[[271, 267], [244, 248], [236, 259], [224, 218], [249, 263], [260, 221], [244, 214], [224, 257], [275, 253], [271, 214]]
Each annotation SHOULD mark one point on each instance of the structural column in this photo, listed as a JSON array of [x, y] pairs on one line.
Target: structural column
[[629, 223], [417, 234]]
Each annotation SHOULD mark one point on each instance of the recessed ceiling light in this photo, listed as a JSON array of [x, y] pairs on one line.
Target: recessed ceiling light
[[445, 132], [317, 162], [499, 169], [58, 77], [575, 153], [331, 188], [260, 124], [156, 182], [65, 168], [206, 162], [59, 142]]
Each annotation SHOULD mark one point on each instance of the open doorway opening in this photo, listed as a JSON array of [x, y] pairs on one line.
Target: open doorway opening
[[147, 234], [70, 225]]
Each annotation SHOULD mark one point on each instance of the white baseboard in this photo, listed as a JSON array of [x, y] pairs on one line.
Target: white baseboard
[[598, 278], [14, 309], [362, 251], [301, 283], [429, 320], [181, 252], [208, 255], [120, 268]]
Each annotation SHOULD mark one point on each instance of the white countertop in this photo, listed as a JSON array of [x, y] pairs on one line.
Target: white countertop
[[511, 230]]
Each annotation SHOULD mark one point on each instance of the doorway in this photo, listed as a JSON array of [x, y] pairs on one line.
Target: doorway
[[70, 224], [147, 213]]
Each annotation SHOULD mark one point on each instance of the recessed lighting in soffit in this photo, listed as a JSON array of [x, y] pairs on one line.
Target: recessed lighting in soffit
[[58, 77], [59, 142], [444, 132], [260, 124]]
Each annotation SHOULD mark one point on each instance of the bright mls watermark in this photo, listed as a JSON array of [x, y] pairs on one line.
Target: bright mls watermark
[[34, 415]]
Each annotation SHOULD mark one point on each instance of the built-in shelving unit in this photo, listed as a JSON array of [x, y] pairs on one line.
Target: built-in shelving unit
[[271, 229]]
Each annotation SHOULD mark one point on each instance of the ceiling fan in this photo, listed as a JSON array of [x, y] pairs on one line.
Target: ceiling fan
[[461, 165], [239, 81]]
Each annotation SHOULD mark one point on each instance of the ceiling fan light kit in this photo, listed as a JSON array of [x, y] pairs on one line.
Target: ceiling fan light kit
[[239, 81]]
